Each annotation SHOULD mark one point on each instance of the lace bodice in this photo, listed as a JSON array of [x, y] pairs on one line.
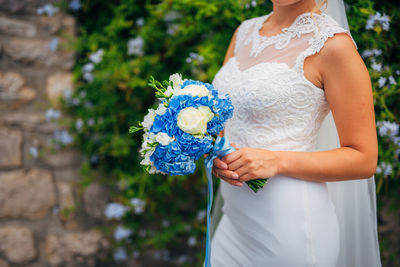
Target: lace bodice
[[276, 107]]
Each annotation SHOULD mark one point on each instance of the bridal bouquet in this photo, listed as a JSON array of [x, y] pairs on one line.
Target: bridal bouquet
[[184, 127]]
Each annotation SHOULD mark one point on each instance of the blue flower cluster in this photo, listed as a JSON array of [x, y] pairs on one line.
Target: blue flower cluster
[[178, 157]]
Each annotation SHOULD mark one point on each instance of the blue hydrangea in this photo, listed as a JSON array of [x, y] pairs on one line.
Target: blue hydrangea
[[182, 165], [195, 147]]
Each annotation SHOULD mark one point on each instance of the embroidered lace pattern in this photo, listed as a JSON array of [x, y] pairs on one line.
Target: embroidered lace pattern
[[276, 107]]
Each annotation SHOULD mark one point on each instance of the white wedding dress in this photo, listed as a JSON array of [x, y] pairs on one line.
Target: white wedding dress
[[290, 222]]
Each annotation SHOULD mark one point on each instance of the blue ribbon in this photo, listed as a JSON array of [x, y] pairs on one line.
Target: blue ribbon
[[221, 148]]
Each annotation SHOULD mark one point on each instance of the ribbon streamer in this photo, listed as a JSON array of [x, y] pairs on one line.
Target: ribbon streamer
[[221, 148]]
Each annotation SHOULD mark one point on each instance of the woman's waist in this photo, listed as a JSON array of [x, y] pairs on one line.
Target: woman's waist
[[269, 141], [281, 185], [280, 194]]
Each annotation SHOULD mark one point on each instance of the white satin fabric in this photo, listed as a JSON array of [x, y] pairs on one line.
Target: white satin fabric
[[291, 222]]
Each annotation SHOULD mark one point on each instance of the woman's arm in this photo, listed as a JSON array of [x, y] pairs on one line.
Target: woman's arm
[[349, 93], [231, 47], [220, 168]]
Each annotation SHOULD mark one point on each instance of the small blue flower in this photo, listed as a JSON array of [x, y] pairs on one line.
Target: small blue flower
[[115, 210], [34, 152], [63, 137], [47, 9], [122, 233], [97, 56], [135, 46], [383, 20], [140, 22], [382, 81], [120, 255], [387, 128], [52, 114], [75, 5], [376, 66], [53, 44], [79, 124], [385, 168]]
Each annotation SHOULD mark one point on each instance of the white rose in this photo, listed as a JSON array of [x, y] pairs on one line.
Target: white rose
[[164, 139], [194, 90], [149, 119], [194, 120], [176, 79], [161, 109]]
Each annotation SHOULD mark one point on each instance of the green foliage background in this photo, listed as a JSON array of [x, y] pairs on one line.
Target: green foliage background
[[119, 96]]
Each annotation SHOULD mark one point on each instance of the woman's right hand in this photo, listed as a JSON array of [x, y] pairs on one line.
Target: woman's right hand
[[220, 170]]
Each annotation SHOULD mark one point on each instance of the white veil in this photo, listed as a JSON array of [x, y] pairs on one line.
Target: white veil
[[354, 200]]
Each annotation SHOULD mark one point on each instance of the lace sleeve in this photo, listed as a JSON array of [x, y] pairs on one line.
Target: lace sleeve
[[317, 43], [243, 29]]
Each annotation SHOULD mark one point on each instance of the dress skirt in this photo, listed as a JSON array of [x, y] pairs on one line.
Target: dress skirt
[[288, 223]]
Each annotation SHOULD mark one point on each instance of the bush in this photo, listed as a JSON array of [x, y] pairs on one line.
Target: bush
[[121, 43]]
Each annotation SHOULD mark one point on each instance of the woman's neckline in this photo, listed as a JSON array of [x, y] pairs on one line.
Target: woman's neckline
[[283, 31]]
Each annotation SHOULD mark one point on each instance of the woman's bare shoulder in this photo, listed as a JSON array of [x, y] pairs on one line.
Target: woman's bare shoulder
[[339, 47]]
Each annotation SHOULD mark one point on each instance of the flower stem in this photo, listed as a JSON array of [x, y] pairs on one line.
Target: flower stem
[[256, 184]]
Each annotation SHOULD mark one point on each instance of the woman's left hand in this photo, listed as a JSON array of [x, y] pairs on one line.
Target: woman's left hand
[[253, 163]]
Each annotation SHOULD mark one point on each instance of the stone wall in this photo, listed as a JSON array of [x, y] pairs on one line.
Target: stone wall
[[46, 218]]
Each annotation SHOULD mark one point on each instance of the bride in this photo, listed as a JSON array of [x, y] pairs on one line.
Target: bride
[[288, 73]]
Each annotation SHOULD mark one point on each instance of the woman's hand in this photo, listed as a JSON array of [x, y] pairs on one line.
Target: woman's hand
[[252, 163], [220, 170]]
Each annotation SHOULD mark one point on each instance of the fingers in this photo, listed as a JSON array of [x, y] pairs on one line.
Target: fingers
[[220, 164], [242, 171], [246, 177], [234, 145], [233, 182], [220, 170], [227, 176], [232, 157], [233, 166]]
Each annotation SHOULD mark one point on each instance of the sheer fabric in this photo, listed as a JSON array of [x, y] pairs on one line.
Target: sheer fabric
[[296, 42]]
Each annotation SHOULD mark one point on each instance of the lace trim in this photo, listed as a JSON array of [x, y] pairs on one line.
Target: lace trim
[[303, 24], [330, 28], [322, 25]]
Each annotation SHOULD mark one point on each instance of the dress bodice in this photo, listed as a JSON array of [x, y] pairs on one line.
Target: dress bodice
[[276, 107]]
